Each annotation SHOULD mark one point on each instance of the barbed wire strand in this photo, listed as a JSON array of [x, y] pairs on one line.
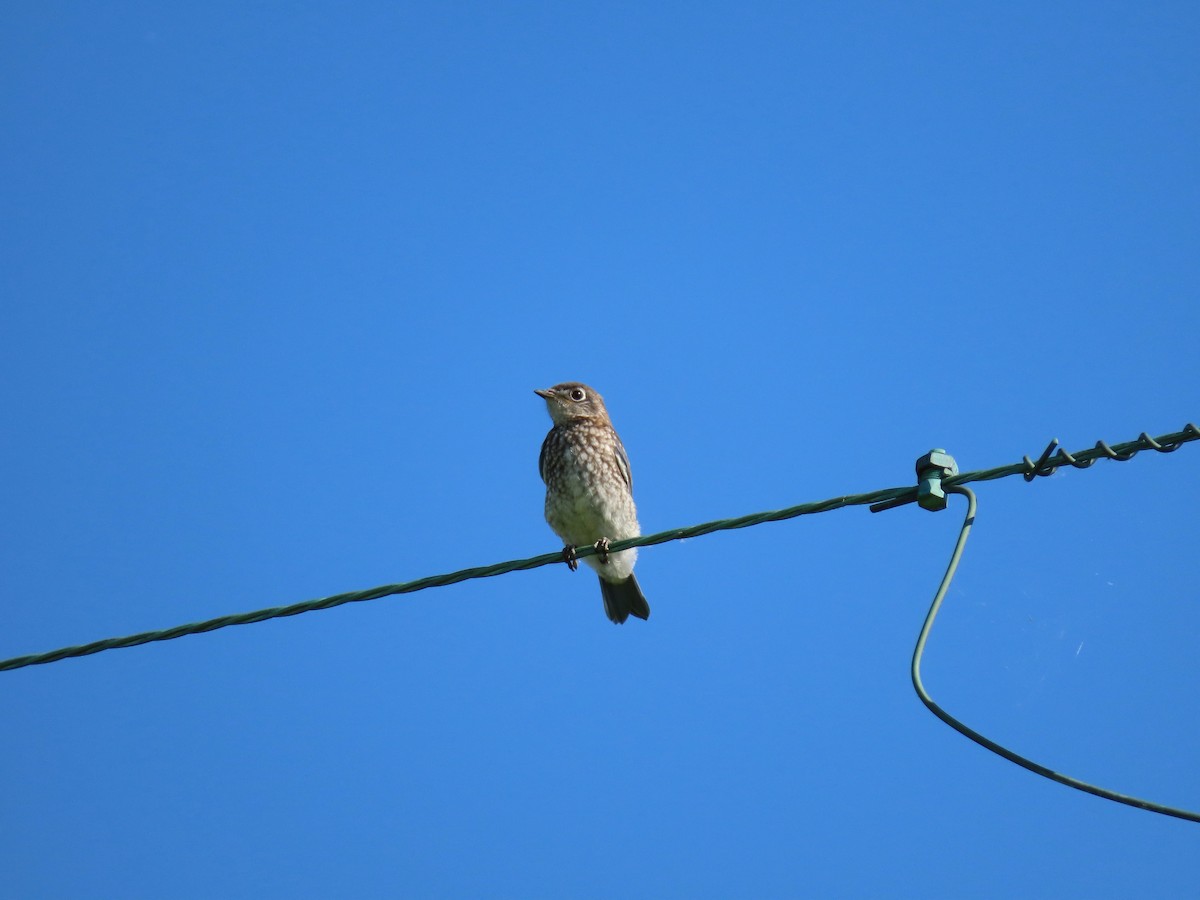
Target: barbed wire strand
[[1037, 768], [1045, 466]]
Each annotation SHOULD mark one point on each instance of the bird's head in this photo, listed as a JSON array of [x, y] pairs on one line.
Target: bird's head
[[572, 401]]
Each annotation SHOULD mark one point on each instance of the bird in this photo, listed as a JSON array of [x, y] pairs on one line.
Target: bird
[[589, 493]]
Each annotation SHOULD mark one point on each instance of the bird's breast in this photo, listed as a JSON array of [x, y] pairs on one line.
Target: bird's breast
[[586, 497]]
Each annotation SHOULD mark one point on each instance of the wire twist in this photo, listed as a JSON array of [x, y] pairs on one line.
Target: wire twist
[[1048, 466]]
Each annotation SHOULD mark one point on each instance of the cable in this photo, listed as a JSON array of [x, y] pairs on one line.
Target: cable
[[978, 738], [882, 498]]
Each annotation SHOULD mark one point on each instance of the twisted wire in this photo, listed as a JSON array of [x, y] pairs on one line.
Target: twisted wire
[[1163, 444]]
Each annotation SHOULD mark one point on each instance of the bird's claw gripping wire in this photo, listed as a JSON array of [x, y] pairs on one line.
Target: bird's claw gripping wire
[[602, 550], [569, 557]]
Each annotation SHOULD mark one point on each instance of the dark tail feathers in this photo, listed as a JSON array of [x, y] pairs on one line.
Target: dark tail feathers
[[623, 599]]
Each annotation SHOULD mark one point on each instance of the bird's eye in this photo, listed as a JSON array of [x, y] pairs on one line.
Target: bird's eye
[[578, 395]]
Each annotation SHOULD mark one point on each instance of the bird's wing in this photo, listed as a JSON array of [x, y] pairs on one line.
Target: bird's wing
[[542, 457], [623, 463]]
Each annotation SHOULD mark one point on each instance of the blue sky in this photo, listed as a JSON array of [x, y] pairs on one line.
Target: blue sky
[[278, 283]]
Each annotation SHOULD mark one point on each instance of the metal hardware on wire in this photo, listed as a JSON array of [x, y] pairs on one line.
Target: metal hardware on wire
[[882, 499], [1047, 466], [929, 469]]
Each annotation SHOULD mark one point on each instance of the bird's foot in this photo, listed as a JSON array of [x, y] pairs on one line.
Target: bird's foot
[[602, 550], [569, 557]]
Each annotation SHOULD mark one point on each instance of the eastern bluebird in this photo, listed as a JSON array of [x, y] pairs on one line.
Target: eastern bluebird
[[589, 493]]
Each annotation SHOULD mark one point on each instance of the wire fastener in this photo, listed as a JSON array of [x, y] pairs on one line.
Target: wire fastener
[[929, 492]]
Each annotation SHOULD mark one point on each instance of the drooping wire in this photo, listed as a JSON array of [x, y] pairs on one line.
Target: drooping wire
[[1037, 768], [1163, 444]]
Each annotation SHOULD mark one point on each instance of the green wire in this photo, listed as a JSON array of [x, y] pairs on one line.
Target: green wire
[[1163, 444], [978, 738], [883, 499]]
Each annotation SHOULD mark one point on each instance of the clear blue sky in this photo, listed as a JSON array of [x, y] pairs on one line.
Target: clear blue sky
[[277, 285]]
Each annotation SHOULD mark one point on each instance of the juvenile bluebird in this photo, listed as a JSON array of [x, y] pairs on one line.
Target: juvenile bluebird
[[589, 493]]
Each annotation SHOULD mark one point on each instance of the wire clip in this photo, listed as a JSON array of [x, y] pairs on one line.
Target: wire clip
[[929, 493], [931, 469]]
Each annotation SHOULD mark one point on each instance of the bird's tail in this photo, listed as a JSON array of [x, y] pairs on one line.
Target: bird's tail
[[623, 599]]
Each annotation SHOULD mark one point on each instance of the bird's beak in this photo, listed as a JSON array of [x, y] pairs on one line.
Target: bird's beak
[[545, 395]]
